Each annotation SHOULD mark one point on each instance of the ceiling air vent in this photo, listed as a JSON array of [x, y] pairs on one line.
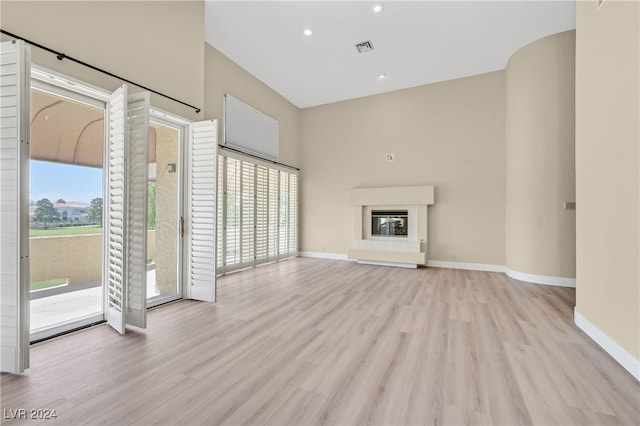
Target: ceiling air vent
[[365, 46]]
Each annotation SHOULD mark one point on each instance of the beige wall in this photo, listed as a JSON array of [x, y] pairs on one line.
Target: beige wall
[[607, 169], [76, 257], [155, 43], [166, 210], [225, 76], [449, 135], [540, 157]]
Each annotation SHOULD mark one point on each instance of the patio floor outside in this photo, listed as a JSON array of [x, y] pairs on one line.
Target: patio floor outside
[[70, 306]]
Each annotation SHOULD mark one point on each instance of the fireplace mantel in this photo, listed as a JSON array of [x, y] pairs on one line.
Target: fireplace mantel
[[409, 251]]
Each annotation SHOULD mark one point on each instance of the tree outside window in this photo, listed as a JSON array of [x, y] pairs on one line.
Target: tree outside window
[[95, 211], [45, 213]]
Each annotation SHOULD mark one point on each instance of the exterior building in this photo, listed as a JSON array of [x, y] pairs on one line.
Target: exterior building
[[72, 212]]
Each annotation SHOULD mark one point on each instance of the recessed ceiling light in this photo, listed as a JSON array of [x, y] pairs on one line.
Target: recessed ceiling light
[[382, 76], [377, 8], [307, 32]]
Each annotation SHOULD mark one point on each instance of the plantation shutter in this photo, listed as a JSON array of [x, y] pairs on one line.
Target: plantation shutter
[[14, 206], [201, 229], [284, 213], [293, 214], [248, 213], [116, 210], [232, 202], [220, 211], [273, 214], [126, 270], [137, 200], [262, 211]]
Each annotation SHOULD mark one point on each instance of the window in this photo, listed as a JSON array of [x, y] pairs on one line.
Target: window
[[257, 212]]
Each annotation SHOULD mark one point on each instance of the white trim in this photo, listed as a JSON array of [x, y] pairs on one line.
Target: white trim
[[48, 76], [227, 151], [173, 120], [468, 266], [64, 327], [617, 352], [541, 279], [394, 264], [323, 255], [486, 267]]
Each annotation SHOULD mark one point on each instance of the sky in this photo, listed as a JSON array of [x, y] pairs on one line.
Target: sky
[[71, 183]]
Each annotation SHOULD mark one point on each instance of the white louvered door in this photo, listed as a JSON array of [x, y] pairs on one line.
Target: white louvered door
[[201, 211], [116, 210], [14, 206], [136, 211], [126, 269]]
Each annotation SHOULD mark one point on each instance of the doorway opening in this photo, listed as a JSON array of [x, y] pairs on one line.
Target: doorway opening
[[66, 197], [165, 224]]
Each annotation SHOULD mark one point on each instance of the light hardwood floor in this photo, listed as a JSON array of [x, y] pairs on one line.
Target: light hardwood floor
[[309, 342]]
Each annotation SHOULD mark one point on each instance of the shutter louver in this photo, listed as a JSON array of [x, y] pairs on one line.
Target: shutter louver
[[220, 209], [274, 216], [233, 197], [292, 227], [248, 212], [262, 212], [116, 209], [137, 196], [202, 211], [284, 213]]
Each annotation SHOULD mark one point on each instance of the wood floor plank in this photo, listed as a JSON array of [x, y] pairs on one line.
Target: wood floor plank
[[310, 342], [506, 404], [544, 403], [463, 387]]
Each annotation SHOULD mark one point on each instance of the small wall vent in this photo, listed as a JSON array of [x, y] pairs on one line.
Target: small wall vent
[[365, 46]]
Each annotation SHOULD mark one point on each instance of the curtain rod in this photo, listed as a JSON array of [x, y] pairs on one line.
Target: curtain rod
[[62, 56], [257, 157]]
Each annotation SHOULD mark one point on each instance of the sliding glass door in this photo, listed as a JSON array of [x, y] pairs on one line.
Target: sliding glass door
[[257, 212], [65, 214]]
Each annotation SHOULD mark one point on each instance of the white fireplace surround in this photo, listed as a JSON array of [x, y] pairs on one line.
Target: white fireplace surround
[[409, 251]]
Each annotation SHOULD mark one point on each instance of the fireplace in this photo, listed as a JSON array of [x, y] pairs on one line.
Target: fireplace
[[389, 223]]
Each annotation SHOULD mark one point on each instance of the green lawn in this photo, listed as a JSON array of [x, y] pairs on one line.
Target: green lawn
[[39, 285], [71, 230]]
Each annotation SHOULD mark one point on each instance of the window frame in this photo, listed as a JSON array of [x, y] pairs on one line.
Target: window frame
[[263, 233]]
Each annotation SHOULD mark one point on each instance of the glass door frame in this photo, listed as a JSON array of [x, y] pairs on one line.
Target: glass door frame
[[179, 124], [79, 91]]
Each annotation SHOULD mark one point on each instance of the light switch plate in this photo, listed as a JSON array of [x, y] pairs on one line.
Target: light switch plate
[[390, 156]]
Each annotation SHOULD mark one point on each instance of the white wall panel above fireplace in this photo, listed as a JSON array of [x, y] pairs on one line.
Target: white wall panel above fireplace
[[416, 195]]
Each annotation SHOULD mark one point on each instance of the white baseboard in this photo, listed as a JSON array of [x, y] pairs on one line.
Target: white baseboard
[[531, 278], [541, 279], [394, 264], [467, 266], [324, 255], [617, 352]]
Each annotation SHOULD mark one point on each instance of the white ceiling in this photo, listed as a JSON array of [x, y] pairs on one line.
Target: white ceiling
[[415, 42]]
